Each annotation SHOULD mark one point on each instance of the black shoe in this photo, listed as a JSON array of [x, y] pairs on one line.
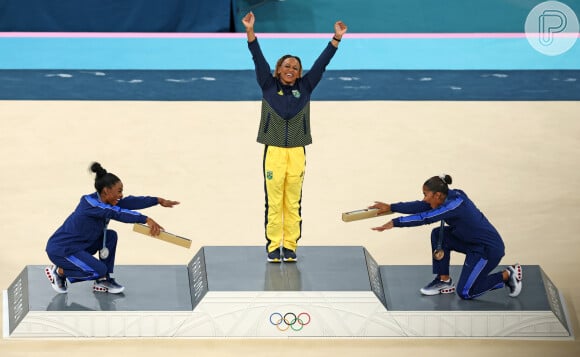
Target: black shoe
[[274, 256], [289, 255]]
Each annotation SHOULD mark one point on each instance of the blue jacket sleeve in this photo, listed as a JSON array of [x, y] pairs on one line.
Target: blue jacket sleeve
[[410, 207], [137, 202], [314, 75], [447, 210], [263, 71], [98, 209]]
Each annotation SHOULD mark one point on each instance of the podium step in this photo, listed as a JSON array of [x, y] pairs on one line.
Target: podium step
[[233, 292]]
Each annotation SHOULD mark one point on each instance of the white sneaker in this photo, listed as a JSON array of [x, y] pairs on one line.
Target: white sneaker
[[108, 285], [437, 287], [514, 282], [57, 282]]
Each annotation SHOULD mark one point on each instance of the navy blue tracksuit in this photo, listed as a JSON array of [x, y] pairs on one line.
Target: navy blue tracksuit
[[81, 235], [468, 231]]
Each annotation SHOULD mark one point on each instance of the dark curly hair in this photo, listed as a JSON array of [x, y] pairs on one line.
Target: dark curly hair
[[439, 183], [103, 178]]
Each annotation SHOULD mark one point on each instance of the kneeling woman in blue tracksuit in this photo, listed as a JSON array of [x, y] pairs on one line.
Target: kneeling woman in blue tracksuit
[[467, 231], [84, 233]]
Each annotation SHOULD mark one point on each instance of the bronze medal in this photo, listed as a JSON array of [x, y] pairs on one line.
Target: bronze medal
[[438, 254]]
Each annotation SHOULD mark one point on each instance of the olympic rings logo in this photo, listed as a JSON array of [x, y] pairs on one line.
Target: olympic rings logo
[[290, 320]]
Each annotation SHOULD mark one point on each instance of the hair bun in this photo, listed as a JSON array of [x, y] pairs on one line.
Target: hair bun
[[446, 178], [98, 169]]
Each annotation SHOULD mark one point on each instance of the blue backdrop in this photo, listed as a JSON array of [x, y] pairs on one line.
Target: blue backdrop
[[116, 15], [298, 16]]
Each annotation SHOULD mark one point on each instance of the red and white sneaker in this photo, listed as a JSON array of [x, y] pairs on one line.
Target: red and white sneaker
[[514, 282], [108, 285], [57, 282], [437, 287]]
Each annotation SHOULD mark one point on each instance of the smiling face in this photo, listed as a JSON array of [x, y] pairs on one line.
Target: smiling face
[[289, 70], [434, 199], [113, 194]]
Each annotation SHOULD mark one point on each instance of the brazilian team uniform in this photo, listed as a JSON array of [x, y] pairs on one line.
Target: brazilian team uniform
[[285, 131], [467, 231], [81, 235]]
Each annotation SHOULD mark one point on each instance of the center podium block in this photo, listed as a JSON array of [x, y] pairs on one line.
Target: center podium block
[[330, 291]]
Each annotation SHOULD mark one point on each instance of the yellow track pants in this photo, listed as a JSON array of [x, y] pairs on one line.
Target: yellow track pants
[[283, 178]]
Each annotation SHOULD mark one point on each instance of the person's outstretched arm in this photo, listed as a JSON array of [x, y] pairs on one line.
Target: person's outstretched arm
[[263, 71], [339, 30], [248, 22], [314, 75]]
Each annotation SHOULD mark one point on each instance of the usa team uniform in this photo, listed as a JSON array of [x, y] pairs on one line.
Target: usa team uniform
[[80, 237], [467, 231]]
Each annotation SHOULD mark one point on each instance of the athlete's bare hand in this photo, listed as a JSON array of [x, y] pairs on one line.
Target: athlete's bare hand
[[384, 227]]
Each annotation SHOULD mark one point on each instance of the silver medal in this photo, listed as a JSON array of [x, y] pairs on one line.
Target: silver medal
[[104, 253]]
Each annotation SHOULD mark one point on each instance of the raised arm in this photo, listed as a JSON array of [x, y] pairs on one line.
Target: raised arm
[[314, 75], [248, 22], [263, 71], [339, 30]]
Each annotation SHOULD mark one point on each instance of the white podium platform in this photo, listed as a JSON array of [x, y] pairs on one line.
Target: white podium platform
[[335, 292]]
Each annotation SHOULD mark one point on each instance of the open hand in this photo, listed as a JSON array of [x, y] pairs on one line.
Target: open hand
[[167, 203], [384, 227]]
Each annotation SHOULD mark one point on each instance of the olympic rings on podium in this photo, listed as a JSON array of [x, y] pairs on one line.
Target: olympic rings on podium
[[290, 320]]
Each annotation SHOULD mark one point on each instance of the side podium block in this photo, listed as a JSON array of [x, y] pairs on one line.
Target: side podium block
[[538, 312], [156, 301]]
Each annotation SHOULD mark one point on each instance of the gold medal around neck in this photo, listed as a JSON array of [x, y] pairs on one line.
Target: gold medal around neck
[[438, 254]]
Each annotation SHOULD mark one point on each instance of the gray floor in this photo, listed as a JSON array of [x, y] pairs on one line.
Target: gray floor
[[236, 268], [147, 288], [243, 268], [402, 284]]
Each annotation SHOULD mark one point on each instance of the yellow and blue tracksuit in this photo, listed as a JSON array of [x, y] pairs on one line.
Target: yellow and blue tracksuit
[[80, 237], [468, 231], [285, 131]]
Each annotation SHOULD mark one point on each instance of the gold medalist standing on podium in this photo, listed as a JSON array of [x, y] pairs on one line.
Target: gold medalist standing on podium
[[285, 132]]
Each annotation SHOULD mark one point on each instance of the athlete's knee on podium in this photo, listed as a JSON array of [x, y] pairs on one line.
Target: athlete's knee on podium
[[463, 293]]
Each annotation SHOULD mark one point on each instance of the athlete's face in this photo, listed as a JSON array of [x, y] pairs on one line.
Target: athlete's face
[[434, 199], [113, 194], [289, 71]]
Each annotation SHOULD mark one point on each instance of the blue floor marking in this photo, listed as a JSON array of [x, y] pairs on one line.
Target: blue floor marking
[[221, 69], [240, 85]]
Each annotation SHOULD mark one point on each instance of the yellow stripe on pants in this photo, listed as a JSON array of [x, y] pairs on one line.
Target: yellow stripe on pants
[[283, 178]]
